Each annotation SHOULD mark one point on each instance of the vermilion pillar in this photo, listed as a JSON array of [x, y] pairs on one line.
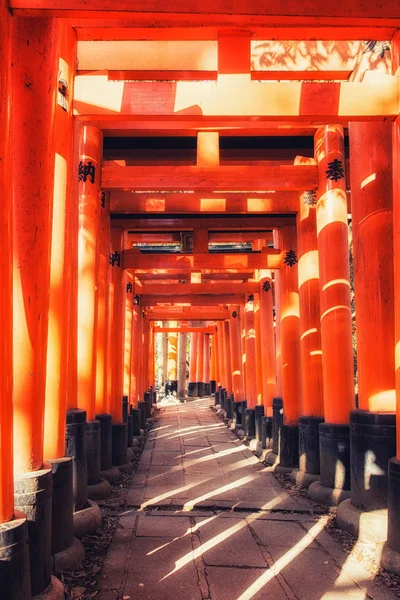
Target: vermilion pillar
[[61, 259], [220, 355], [227, 358], [146, 348], [235, 340], [336, 331], [268, 360], [278, 349], [118, 326], [6, 264], [251, 353], [200, 364], [172, 372], [207, 384], [35, 69], [290, 347], [90, 151], [134, 388], [372, 219], [128, 333], [312, 409], [257, 327], [151, 355], [192, 386], [213, 367]]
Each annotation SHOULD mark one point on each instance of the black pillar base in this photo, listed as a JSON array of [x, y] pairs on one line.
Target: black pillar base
[[277, 422], [373, 443], [76, 449], [62, 525], [143, 412], [259, 413], [207, 389], [200, 389], [119, 444], [136, 422], [192, 389], [228, 407], [289, 450], [32, 496], [309, 444], [125, 402], [217, 398], [334, 454], [237, 413], [250, 423], [105, 441], [93, 429], [15, 580], [222, 398], [149, 403], [130, 431], [393, 503], [213, 386], [266, 433]]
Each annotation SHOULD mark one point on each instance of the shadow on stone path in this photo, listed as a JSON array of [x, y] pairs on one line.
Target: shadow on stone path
[[207, 521]]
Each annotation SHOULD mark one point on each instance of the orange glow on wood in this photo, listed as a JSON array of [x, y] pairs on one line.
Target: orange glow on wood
[[116, 342], [220, 354], [90, 147], [227, 357], [268, 365], [396, 243], [372, 216], [251, 355], [310, 323], [135, 363], [172, 354], [6, 273], [290, 332], [60, 289], [257, 327], [197, 289], [332, 232], [236, 357], [200, 358], [192, 300], [35, 60], [193, 357], [128, 335]]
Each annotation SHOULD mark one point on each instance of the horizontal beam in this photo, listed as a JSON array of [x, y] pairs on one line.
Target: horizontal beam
[[203, 300], [238, 96], [184, 177], [182, 222], [197, 202], [191, 289], [183, 329], [187, 313], [134, 260], [177, 276], [214, 237]]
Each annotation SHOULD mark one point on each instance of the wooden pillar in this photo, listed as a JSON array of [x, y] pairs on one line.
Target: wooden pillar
[[182, 344], [103, 309], [277, 296], [268, 357], [213, 366], [243, 339], [116, 342], [151, 355], [6, 266], [200, 364], [257, 328], [146, 354], [134, 387], [220, 354], [227, 358], [128, 333], [236, 355], [140, 350], [207, 385], [333, 250], [251, 353], [172, 354], [90, 150], [35, 70]]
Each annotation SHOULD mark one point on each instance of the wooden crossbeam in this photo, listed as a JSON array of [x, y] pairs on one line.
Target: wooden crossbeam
[[187, 313], [201, 300], [268, 259], [200, 202], [182, 222], [214, 237], [184, 329], [183, 177], [238, 96], [191, 289]]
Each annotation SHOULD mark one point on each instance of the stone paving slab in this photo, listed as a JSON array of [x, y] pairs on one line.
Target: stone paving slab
[[206, 521]]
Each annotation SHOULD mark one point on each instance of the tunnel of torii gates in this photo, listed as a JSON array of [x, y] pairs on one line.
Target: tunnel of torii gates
[[193, 170]]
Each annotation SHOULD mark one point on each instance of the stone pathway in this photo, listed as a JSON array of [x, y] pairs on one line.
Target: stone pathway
[[207, 521]]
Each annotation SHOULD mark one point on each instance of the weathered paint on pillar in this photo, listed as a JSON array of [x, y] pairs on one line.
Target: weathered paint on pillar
[[193, 357], [396, 244], [207, 358], [6, 289], [235, 340], [290, 328], [372, 217], [35, 69], [172, 373], [251, 353], [128, 333], [134, 388], [60, 284], [200, 358], [278, 348], [102, 337], [332, 232], [227, 357], [90, 151], [310, 318], [268, 356], [257, 327], [116, 342]]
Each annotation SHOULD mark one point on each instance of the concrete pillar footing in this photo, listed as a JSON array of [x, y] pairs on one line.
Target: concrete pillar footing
[[112, 475], [390, 559], [69, 559], [368, 526], [55, 591], [269, 457], [283, 470], [100, 490], [126, 467], [326, 495], [87, 520], [303, 479]]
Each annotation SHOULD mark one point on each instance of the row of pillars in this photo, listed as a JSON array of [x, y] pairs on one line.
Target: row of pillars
[[75, 347]]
